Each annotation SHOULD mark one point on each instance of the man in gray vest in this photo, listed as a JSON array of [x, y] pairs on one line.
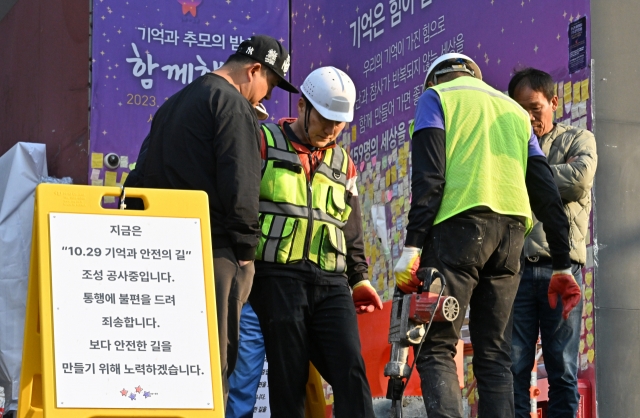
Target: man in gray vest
[[571, 153]]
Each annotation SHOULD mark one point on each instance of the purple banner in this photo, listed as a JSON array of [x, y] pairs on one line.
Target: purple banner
[[387, 47], [144, 51]]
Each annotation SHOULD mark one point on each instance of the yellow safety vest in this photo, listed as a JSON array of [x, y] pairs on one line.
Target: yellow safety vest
[[487, 137], [301, 219]]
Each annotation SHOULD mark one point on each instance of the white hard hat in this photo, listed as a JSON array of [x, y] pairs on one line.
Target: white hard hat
[[453, 56], [331, 92]]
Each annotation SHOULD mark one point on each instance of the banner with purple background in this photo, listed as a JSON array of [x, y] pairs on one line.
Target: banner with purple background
[[387, 46], [144, 51]]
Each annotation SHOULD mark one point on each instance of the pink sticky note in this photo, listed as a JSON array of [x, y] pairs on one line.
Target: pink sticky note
[[389, 195], [361, 166], [373, 160]]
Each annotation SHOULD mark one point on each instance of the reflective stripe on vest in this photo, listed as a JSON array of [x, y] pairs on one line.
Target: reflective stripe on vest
[[296, 224], [487, 136]]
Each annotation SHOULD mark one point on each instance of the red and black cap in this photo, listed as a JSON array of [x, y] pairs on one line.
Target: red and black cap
[[270, 53]]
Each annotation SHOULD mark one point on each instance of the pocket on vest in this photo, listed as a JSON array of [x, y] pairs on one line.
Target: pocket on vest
[[335, 202], [277, 237], [333, 250]]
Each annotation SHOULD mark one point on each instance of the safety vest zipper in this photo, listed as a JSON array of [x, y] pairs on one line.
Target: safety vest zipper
[[307, 240]]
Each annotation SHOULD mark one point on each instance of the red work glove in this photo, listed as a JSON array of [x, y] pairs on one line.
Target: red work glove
[[365, 297], [564, 285], [406, 268]]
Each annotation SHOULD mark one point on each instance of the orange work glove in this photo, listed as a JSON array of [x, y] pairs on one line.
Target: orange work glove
[[406, 268], [365, 297], [565, 286]]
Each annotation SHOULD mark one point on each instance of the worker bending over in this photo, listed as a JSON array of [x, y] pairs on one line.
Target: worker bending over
[[477, 173]]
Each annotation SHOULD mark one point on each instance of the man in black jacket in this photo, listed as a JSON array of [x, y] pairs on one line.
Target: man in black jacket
[[207, 137]]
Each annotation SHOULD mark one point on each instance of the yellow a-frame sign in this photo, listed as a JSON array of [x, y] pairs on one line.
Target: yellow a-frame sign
[[121, 316]]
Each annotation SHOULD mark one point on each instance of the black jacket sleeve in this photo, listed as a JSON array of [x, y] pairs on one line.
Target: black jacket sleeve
[[237, 153], [357, 269], [546, 204], [428, 159]]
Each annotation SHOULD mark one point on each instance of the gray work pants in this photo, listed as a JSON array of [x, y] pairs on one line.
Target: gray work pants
[[233, 284]]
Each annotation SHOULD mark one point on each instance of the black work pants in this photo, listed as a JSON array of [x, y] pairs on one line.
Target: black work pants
[[479, 253], [304, 322], [233, 284]]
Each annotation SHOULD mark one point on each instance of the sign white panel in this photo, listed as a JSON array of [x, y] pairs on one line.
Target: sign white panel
[[129, 311]]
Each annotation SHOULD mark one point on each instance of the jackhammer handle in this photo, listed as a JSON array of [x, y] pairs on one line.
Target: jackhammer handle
[[427, 275]]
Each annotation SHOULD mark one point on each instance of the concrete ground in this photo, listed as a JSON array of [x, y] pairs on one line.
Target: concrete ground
[[413, 407]]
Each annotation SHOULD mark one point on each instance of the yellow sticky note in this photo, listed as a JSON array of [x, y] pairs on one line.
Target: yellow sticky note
[[591, 355], [567, 92], [559, 110], [124, 176], [576, 93], [387, 178], [110, 178], [588, 278], [97, 159], [584, 88], [353, 133], [394, 174]]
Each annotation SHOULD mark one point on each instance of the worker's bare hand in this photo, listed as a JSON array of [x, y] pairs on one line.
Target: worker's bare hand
[[243, 263]]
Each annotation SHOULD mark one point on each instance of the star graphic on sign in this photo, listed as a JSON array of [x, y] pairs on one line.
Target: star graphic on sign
[[161, 24], [571, 18], [329, 49], [124, 392], [578, 16], [139, 389], [103, 18], [281, 40], [498, 61], [502, 30], [312, 66], [558, 37], [132, 396], [347, 67], [147, 395], [319, 35], [479, 45], [492, 2], [535, 49], [532, 19], [357, 8], [248, 17], [228, 1], [116, 65], [206, 23], [104, 132], [119, 31], [120, 104], [101, 52], [486, 61], [564, 14], [214, 16], [230, 20], [522, 4]]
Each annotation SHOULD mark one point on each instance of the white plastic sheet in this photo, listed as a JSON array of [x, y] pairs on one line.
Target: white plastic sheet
[[21, 169]]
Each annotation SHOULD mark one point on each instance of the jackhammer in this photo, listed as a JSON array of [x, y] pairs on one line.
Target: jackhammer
[[409, 315]]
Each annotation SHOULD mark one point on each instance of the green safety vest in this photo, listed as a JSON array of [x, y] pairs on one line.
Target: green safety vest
[[487, 137], [301, 219]]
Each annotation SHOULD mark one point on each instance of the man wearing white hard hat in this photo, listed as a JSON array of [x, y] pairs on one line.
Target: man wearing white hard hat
[[311, 271], [477, 174]]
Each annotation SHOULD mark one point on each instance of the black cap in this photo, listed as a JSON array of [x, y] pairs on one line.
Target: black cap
[[270, 53]]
